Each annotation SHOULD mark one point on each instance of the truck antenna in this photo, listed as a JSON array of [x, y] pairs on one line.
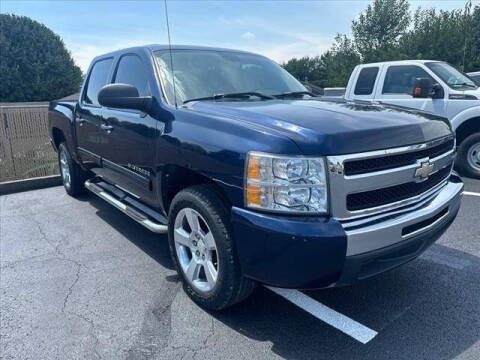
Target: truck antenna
[[170, 49]]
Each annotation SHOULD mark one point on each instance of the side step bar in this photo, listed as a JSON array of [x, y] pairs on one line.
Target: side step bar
[[119, 203]]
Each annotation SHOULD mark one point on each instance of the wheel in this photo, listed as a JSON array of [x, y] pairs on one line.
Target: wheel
[[203, 249], [73, 176], [468, 157]]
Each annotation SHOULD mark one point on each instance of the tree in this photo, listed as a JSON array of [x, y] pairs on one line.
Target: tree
[[34, 63], [452, 36], [339, 62], [378, 30], [306, 69], [384, 32]]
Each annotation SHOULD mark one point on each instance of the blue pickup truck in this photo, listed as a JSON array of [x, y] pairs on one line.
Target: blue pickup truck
[[253, 178]]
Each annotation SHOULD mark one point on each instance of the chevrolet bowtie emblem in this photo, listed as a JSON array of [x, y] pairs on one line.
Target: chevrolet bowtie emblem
[[424, 170]]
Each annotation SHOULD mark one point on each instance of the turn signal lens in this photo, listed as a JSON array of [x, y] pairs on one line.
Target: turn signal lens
[[254, 195], [254, 168]]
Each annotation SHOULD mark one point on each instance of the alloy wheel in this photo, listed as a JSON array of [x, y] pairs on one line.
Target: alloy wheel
[[196, 249], [65, 170]]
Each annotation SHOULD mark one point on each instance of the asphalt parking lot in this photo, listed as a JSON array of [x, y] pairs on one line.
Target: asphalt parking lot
[[80, 280]]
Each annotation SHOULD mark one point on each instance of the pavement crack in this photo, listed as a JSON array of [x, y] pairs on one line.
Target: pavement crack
[[91, 332], [70, 288], [61, 256]]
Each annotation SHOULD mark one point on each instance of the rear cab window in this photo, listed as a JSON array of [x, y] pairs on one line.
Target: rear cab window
[[366, 81], [99, 76]]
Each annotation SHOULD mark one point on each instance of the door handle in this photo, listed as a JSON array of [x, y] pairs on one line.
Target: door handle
[[81, 121], [107, 128]]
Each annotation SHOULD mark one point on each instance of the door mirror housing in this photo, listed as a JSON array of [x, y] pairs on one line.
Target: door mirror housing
[[123, 96], [423, 88]]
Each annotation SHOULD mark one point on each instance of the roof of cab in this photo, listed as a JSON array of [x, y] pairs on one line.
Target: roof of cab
[[399, 62], [157, 47]]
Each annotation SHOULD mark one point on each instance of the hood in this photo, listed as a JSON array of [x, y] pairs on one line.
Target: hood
[[474, 92], [320, 127]]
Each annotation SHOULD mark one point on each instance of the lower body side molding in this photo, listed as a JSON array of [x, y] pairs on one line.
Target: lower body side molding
[[117, 201]]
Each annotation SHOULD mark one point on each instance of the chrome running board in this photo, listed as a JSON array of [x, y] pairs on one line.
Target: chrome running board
[[118, 200]]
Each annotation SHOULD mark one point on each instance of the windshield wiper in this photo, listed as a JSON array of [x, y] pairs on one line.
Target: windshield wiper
[[241, 95], [293, 94]]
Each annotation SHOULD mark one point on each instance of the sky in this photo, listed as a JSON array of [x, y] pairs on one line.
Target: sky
[[278, 29]]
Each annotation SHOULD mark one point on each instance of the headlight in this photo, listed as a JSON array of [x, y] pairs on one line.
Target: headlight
[[286, 184]]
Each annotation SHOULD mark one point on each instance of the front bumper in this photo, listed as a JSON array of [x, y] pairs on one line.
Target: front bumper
[[313, 252]]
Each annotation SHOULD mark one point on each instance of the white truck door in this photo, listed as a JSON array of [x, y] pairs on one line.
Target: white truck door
[[396, 86]]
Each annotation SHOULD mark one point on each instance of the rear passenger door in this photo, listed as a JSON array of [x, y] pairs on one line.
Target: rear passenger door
[[129, 155], [88, 122], [398, 82]]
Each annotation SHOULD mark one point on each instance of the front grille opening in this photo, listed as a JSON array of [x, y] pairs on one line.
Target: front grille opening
[[423, 224], [356, 167], [392, 194]]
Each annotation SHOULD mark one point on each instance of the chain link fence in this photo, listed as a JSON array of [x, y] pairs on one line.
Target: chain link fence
[[25, 149]]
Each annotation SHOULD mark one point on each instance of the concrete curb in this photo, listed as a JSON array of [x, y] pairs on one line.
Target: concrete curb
[[10, 187]]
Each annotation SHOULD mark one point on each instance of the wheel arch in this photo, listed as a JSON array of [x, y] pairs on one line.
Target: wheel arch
[[176, 178], [466, 128], [57, 137]]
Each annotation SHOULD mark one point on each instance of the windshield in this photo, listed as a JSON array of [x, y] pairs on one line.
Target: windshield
[[206, 73], [454, 78]]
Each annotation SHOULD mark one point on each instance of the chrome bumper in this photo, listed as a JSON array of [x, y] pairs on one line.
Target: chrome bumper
[[376, 232]]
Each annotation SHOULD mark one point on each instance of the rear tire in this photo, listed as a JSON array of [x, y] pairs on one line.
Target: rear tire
[[468, 157], [187, 247], [73, 176]]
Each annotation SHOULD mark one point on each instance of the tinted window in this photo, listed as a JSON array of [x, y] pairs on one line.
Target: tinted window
[[366, 81], [202, 73], [132, 71], [98, 78], [401, 79]]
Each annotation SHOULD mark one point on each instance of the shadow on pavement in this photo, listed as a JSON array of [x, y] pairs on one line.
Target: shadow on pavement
[[154, 245]]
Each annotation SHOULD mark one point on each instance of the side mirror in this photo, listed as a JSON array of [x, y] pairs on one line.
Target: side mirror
[[423, 88], [123, 96]]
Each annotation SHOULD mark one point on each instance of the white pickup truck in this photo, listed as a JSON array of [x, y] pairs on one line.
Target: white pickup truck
[[432, 86], [475, 76]]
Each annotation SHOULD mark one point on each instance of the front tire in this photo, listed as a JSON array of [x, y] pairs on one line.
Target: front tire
[[468, 160], [73, 176], [203, 249]]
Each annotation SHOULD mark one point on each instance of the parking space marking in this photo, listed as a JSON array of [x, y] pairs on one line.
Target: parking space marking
[[339, 321], [471, 193]]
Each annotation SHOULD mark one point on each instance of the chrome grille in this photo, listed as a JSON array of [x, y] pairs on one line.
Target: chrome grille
[[355, 167], [388, 179]]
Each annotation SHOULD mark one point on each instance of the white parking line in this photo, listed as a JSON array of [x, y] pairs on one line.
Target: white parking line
[[343, 323], [471, 193]]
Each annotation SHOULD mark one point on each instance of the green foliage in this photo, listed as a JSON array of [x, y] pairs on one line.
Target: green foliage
[[306, 69], [378, 30], [385, 32], [339, 62], [34, 63], [451, 36]]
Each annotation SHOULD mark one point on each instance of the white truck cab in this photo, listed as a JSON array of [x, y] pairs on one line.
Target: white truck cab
[[432, 86]]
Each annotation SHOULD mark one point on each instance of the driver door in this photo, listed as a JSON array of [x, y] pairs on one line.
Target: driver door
[[398, 82]]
